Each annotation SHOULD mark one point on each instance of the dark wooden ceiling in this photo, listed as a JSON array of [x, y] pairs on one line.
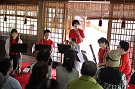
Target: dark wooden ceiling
[[36, 1]]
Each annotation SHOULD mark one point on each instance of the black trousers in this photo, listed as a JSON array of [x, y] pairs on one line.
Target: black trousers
[[15, 59], [50, 61]]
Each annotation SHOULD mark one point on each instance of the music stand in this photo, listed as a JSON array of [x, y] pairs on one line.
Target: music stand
[[42, 46], [19, 47], [62, 48]]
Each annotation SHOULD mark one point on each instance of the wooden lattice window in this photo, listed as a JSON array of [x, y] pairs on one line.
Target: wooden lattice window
[[127, 34], [15, 19], [16, 15], [7, 12], [54, 21], [30, 13]]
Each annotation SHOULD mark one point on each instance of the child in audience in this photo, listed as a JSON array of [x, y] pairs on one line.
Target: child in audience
[[66, 72], [49, 84], [110, 77], [39, 72], [5, 69], [104, 47], [126, 65]]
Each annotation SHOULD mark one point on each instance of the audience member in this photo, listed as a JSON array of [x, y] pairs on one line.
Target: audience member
[[5, 69], [39, 72], [49, 84], [86, 81], [66, 72], [1, 80], [43, 55], [110, 77]]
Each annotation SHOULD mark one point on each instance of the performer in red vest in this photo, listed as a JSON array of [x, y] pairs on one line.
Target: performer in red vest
[[46, 40]]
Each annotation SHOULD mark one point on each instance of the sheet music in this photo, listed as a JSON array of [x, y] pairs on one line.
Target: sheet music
[[78, 64], [33, 48]]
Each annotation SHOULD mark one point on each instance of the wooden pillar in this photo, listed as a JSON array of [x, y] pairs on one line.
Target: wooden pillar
[[109, 30], [110, 24], [84, 27], [40, 27]]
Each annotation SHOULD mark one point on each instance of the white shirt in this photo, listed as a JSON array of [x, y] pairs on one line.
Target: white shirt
[[63, 77]]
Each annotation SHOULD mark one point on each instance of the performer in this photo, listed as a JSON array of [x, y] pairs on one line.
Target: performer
[[123, 47], [104, 47], [77, 34], [14, 57], [46, 40]]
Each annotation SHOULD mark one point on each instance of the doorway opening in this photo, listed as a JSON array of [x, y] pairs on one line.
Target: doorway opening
[[92, 33]]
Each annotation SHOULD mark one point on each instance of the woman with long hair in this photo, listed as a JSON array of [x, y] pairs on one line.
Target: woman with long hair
[[67, 72], [104, 48], [13, 56]]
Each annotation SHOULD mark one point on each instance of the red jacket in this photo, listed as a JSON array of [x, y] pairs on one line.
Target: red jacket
[[126, 66]]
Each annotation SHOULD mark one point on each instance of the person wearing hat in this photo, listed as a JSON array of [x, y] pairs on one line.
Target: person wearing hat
[[110, 77]]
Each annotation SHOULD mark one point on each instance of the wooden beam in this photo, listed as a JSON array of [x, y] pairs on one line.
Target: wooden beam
[[27, 1], [36, 1]]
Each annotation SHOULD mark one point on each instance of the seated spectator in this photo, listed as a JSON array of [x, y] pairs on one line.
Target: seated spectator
[[39, 72], [1, 80], [5, 69], [49, 84], [110, 77], [43, 55], [86, 81], [66, 72]]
